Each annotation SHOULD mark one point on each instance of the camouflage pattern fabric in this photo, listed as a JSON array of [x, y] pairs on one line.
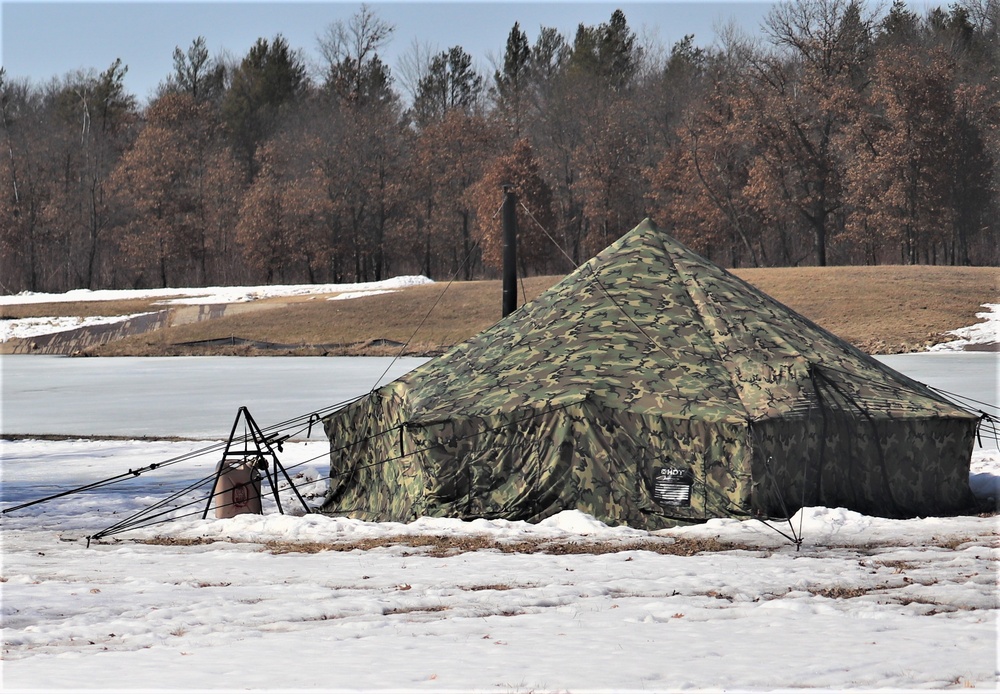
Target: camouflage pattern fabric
[[649, 388]]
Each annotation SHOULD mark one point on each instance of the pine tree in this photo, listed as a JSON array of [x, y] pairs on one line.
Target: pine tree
[[269, 79]]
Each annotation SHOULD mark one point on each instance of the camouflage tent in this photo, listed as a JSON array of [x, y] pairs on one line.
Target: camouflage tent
[[649, 387]]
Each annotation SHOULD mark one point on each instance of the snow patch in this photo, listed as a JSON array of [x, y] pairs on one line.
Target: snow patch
[[19, 328], [212, 295], [358, 295], [984, 475], [985, 333]]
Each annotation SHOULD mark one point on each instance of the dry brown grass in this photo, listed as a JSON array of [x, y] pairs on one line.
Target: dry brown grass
[[441, 546], [885, 309], [374, 325], [447, 545]]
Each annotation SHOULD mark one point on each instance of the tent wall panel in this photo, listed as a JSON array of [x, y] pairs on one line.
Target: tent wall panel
[[880, 466]]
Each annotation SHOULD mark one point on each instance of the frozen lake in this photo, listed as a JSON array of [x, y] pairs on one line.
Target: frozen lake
[[195, 397], [198, 397]]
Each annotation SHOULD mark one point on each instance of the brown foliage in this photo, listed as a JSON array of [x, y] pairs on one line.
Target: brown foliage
[[610, 182], [903, 181], [279, 219], [700, 187], [172, 188], [519, 169], [449, 157]]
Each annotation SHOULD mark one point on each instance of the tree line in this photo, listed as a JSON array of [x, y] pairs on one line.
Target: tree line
[[847, 135]]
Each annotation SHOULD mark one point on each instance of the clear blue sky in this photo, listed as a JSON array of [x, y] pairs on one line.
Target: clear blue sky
[[42, 40]]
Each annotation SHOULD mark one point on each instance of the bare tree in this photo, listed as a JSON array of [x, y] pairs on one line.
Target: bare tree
[[414, 66], [350, 49]]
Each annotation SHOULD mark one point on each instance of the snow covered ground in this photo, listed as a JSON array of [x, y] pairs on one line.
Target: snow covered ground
[[866, 603], [986, 332], [12, 328], [250, 604]]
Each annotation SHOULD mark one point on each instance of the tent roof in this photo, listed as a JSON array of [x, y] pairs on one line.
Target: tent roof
[[650, 326]]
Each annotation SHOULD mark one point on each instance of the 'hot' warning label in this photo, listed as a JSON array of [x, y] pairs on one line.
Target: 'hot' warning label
[[672, 486]]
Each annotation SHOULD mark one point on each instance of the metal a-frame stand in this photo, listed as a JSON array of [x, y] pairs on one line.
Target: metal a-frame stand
[[258, 449]]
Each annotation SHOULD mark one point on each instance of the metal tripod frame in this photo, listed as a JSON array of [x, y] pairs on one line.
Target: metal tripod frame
[[262, 449]]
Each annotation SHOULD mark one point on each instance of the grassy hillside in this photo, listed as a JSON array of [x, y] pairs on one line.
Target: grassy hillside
[[883, 310]]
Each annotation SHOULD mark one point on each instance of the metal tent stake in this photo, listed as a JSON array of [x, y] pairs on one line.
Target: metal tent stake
[[257, 449]]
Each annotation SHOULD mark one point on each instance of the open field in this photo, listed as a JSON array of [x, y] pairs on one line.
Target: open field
[[882, 310]]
